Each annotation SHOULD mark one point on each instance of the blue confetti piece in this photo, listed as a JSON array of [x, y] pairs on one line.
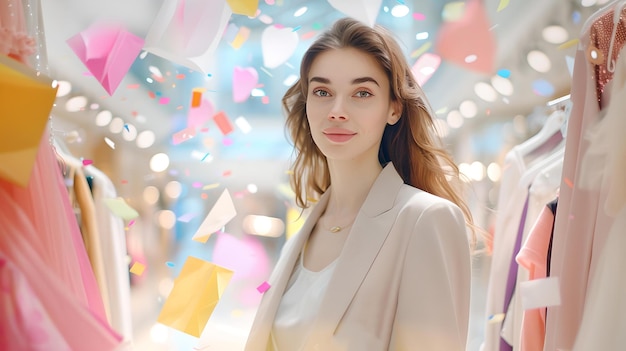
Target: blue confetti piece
[[542, 87], [504, 73], [295, 29], [170, 264], [126, 127], [205, 156]]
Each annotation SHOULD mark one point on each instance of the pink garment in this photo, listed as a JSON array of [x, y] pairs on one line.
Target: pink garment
[[581, 226], [79, 326], [14, 39], [533, 257], [31, 328], [56, 238]]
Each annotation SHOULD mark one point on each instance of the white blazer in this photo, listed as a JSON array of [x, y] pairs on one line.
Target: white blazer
[[401, 282]]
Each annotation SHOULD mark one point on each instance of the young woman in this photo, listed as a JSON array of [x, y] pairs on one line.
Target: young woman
[[382, 261]]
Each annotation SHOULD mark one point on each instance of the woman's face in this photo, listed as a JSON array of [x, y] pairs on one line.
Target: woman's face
[[348, 104]]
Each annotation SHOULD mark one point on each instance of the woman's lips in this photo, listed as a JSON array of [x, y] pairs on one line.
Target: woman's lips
[[338, 135]]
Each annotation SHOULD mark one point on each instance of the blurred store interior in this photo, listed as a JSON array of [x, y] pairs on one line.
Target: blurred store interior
[[138, 134]]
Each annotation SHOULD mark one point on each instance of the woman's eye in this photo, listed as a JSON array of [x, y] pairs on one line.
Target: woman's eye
[[320, 92], [363, 94]]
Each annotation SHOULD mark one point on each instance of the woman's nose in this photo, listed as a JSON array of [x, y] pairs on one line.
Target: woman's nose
[[338, 111]]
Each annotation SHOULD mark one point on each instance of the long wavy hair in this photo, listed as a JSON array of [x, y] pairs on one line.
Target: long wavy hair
[[411, 144]]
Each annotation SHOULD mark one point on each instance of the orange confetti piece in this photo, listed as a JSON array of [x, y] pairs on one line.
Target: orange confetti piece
[[124, 181], [196, 98], [204, 196], [137, 268], [568, 182], [226, 173], [180, 76], [308, 35], [151, 94], [132, 86]]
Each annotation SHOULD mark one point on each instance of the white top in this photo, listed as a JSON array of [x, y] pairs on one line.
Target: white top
[[299, 305]]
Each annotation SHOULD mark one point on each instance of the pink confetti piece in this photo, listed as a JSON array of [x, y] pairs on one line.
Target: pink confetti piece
[[265, 286], [227, 141], [419, 16], [130, 224], [265, 99], [223, 123], [183, 135], [164, 100], [227, 173], [196, 184], [87, 162]]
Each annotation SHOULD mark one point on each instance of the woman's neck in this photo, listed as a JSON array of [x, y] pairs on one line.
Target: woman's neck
[[350, 182]]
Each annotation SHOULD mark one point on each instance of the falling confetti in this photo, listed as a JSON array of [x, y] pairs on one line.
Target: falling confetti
[[170, 264], [263, 287], [568, 44], [496, 318], [503, 4], [137, 268], [110, 143], [87, 162]]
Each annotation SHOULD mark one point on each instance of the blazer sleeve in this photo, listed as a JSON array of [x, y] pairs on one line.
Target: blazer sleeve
[[434, 295]]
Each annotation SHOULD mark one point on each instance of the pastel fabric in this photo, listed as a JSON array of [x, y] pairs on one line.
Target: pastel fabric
[[40, 236], [402, 281]]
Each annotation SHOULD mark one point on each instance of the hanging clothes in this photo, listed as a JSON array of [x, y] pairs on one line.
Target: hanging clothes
[[581, 227], [523, 163], [603, 323]]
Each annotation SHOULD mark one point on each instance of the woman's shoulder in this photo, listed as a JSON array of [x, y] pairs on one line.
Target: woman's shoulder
[[414, 200]]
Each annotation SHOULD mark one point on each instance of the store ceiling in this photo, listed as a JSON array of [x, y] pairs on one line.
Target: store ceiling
[[517, 29]]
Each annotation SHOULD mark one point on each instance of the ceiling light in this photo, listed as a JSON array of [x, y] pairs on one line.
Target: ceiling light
[[468, 109], [470, 58], [65, 88], [502, 85], [454, 119], [130, 132], [117, 125], [485, 91], [145, 139], [477, 171], [421, 36], [555, 34], [151, 195], [166, 219], [494, 172], [539, 61], [103, 118], [159, 162], [76, 103], [400, 10], [301, 11], [173, 189], [588, 3]]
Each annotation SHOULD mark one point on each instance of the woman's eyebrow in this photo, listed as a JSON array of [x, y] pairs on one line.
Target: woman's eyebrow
[[354, 81]]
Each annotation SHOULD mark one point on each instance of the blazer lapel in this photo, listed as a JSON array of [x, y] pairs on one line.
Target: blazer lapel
[[266, 313], [369, 231]]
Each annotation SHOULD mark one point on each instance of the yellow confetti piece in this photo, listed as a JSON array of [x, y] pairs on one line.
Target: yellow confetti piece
[[137, 268], [496, 318], [568, 44], [120, 208], [241, 37], [211, 186], [422, 49], [503, 4]]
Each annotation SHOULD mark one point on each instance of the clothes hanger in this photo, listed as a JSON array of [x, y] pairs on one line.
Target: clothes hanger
[[550, 135], [618, 7]]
